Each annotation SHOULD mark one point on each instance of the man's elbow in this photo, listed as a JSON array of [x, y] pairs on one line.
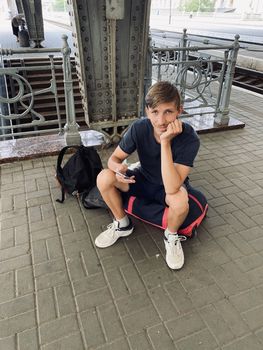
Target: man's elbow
[[173, 191]]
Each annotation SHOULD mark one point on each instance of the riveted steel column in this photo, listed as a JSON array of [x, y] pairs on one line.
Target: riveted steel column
[[222, 113], [112, 50], [34, 20], [148, 76], [19, 6], [72, 135], [114, 11], [111, 53]]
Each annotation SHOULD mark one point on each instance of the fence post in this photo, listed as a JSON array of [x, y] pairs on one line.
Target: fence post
[[182, 58], [72, 134], [222, 113]]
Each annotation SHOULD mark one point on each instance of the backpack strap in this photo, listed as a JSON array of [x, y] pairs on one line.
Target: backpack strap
[[61, 155], [62, 196], [59, 168]]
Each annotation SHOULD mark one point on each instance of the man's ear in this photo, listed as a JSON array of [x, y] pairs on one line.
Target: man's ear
[[180, 109]]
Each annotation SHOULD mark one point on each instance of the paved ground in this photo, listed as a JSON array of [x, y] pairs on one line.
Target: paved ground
[[59, 292]]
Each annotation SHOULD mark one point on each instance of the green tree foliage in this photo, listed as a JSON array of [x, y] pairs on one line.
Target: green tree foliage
[[197, 5], [58, 5]]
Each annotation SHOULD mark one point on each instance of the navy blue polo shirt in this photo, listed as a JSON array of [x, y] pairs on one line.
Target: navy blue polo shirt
[[140, 138]]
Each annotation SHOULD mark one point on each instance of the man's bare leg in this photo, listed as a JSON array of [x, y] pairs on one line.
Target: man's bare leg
[[122, 226], [109, 188], [178, 210]]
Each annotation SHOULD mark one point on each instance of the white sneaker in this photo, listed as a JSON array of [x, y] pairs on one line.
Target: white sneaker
[[113, 232], [174, 252]]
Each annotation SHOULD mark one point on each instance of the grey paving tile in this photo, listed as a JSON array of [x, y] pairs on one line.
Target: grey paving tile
[[92, 299], [69, 342], [185, 325], [232, 317], [248, 342], [254, 318], [160, 338], [203, 340], [8, 343], [46, 305], [141, 319], [140, 341], [7, 282], [59, 291], [216, 325], [163, 304], [94, 335], [58, 328], [17, 323], [110, 322]]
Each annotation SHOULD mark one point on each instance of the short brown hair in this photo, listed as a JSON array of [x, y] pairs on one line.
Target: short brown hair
[[162, 92]]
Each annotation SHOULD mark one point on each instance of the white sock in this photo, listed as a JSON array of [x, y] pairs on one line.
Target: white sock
[[123, 222], [171, 236]]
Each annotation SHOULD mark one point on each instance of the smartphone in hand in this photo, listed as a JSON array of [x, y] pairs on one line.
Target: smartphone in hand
[[123, 175]]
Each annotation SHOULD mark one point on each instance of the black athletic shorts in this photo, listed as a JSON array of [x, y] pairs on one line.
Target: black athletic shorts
[[142, 188]]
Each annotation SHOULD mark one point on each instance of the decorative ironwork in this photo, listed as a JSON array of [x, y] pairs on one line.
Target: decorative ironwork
[[24, 99], [191, 68], [22, 119], [192, 71]]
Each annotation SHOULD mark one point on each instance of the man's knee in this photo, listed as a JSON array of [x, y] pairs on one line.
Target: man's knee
[[178, 202], [105, 179]]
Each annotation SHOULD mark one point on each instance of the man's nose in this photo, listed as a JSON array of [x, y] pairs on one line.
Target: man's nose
[[161, 118]]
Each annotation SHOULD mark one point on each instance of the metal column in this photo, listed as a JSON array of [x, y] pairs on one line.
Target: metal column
[[111, 43], [34, 20]]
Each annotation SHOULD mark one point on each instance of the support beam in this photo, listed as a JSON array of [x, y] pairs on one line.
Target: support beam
[[111, 42]]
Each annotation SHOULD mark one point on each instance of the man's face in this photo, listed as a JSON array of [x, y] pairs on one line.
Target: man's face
[[162, 115]]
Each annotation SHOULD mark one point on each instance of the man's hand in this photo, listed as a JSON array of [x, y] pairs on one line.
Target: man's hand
[[121, 174], [174, 128]]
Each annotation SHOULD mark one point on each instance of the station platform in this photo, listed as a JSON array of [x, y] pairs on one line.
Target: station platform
[[58, 291], [53, 34]]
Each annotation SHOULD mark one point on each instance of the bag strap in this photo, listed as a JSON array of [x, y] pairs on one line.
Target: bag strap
[[61, 155], [62, 196], [59, 168]]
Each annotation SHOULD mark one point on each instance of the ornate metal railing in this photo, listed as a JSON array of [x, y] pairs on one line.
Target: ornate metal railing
[[204, 90], [191, 69], [4, 108], [21, 118]]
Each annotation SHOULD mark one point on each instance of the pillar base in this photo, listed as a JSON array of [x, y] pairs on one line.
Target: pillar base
[[72, 139], [221, 119]]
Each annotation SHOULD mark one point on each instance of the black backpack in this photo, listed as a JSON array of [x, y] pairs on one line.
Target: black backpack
[[80, 172]]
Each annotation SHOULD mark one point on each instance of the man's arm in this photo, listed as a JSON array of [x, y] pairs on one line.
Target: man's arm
[[116, 159], [173, 175]]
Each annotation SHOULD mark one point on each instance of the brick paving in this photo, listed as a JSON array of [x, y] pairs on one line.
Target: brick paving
[[60, 292]]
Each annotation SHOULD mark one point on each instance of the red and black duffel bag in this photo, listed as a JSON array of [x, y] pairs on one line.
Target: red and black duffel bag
[[156, 214]]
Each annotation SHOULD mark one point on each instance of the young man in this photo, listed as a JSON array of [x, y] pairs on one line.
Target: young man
[[166, 148]]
